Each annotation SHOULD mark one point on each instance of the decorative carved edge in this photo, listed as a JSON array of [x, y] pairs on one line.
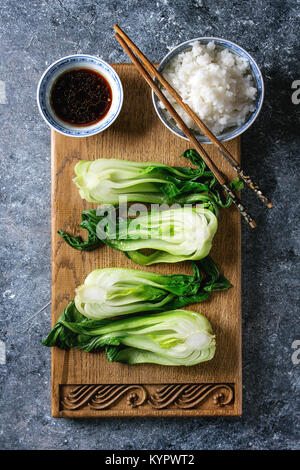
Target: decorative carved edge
[[182, 396]]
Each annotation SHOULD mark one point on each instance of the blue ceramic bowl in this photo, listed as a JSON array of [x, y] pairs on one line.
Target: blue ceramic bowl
[[257, 76], [73, 62]]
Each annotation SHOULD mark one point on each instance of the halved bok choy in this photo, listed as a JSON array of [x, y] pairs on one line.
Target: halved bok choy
[[173, 235], [111, 292], [103, 181], [174, 338]]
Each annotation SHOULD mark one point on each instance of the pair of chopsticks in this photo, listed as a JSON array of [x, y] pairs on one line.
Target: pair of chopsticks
[[125, 42]]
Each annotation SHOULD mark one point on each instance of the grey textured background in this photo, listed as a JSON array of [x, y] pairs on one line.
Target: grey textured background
[[32, 35]]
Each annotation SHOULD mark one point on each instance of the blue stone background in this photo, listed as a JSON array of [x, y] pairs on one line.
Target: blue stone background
[[32, 35]]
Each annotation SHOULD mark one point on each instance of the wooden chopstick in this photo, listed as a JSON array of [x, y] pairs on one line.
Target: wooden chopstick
[[222, 149], [220, 177]]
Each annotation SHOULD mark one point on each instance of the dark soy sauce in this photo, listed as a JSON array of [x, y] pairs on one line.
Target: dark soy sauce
[[81, 97]]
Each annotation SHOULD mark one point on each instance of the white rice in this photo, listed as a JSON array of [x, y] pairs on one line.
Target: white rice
[[216, 83]]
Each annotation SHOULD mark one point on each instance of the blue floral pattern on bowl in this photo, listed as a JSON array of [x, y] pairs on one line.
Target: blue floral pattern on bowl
[[257, 76], [68, 63]]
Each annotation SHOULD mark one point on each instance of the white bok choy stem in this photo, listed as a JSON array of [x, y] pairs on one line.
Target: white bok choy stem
[[111, 292], [175, 338], [181, 234], [105, 180]]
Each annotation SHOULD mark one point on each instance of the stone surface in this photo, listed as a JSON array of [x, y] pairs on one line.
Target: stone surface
[[32, 35]]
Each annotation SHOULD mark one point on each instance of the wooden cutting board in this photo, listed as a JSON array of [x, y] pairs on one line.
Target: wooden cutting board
[[85, 384]]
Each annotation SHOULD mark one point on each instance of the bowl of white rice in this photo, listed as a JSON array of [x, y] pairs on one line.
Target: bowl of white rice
[[219, 80]]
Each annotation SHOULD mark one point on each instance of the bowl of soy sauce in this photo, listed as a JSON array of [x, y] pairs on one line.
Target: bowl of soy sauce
[[80, 95]]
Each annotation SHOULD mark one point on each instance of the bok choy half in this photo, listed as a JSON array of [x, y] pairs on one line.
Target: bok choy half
[[174, 235], [111, 292], [103, 181], [176, 337]]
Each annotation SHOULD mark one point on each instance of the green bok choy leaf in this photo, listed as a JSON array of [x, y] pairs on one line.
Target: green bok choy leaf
[[176, 337], [181, 234], [111, 292], [103, 181]]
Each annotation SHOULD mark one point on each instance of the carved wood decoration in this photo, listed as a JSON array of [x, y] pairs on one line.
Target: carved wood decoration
[[182, 396], [86, 385]]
